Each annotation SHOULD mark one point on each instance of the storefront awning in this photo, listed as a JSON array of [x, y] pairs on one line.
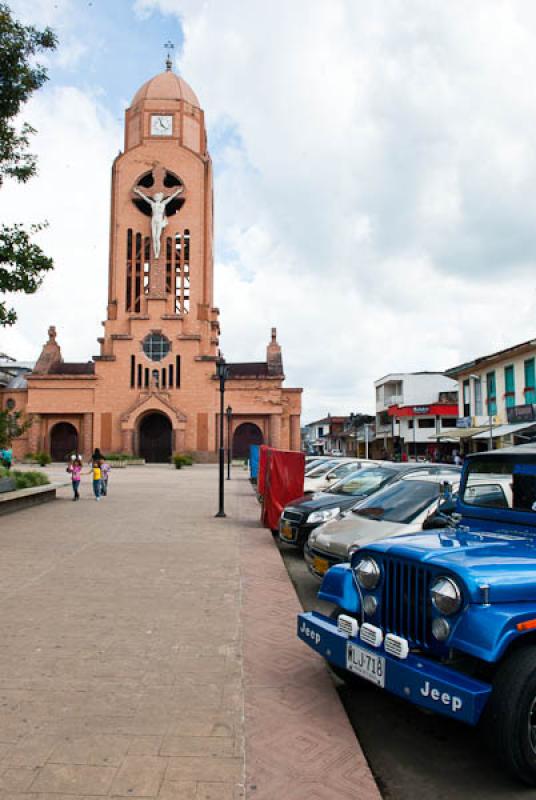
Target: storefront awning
[[455, 434], [506, 430]]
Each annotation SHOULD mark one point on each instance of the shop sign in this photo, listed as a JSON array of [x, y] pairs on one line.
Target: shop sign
[[463, 422], [421, 409], [524, 413]]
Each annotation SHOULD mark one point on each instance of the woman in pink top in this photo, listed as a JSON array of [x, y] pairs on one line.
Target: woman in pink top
[[75, 468]]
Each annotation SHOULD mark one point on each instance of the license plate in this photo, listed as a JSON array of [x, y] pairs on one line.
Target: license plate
[[365, 664], [320, 565], [286, 531]]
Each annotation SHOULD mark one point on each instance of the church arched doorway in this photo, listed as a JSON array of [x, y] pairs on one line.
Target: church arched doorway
[[156, 438], [244, 435], [63, 441]]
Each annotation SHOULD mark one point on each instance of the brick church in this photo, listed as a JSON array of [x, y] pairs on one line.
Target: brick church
[[152, 389]]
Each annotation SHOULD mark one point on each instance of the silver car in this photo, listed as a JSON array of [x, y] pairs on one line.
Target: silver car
[[398, 508]]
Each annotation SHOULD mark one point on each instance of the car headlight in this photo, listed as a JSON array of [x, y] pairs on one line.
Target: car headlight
[[446, 595], [367, 573], [323, 516]]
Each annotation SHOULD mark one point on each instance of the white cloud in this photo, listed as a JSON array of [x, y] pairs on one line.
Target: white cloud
[[75, 145], [375, 168], [374, 201]]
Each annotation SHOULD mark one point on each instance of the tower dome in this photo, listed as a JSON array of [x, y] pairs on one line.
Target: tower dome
[[166, 86]]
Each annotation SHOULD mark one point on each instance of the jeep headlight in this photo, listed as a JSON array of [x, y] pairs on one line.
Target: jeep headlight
[[367, 573], [323, 516], [446, 595]]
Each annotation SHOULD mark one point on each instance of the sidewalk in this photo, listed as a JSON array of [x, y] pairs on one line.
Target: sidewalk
[[148, 650]]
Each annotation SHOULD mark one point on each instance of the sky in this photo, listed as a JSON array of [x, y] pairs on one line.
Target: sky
[[375, 177]]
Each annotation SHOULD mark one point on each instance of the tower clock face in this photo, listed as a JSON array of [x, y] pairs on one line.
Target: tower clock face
[[161, 125]]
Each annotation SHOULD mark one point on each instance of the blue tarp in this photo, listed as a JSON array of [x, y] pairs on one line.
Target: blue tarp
[[254, 461]]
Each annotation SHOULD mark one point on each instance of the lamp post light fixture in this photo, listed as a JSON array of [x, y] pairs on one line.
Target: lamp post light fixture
[[229, 414], [222, 373]]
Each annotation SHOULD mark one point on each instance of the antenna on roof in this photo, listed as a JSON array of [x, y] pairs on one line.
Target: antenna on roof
[[169, 47]]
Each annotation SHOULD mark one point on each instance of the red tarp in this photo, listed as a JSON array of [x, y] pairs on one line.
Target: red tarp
[[280, 481]]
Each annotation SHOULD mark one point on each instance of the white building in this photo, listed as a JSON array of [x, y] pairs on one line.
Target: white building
[[498, 392], [413, 409]]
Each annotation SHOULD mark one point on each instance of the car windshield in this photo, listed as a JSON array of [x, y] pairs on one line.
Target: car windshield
[[363, 482], [342, 471], [502, 481], [400, 502], [321, 469]]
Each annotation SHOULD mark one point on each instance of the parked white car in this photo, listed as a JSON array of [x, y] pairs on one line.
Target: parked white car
[[402, 507], [325, 475]]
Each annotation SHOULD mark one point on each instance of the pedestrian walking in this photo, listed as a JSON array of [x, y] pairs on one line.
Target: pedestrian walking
[[105, 473], [75, 469], [97, 479], [6, 457]]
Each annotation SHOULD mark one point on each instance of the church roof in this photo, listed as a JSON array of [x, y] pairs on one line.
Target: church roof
[[166, 86], [248, 369], [72, 368]]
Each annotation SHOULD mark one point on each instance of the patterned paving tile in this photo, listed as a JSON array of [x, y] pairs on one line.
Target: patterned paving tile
[[299, 743]]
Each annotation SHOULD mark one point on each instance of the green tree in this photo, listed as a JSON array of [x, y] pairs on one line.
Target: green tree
[[22, 263], [12, 425]]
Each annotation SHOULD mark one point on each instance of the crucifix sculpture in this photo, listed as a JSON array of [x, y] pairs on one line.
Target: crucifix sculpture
[[158, 202]]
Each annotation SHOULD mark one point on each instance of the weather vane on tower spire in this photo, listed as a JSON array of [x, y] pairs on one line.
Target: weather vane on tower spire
[[169, 47]]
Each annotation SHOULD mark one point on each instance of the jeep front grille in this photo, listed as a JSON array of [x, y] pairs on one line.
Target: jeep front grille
[[405, 605], [292, 516]]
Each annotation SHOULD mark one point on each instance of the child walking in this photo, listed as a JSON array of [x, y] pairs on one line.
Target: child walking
[[75, 468], [105, 473], [97, 479]]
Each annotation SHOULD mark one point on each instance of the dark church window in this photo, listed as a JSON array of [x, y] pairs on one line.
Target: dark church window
[[178, 372], [129, 270], [146, 376], [156, 347], [182, 272], [155, 379], [146, 265], [164, 377], [137, 277], [132, 371], [170, 382], [140, 376]]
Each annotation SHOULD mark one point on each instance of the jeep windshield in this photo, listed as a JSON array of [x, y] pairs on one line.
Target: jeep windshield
[[321, 469], [501, 481], [363, 482], [401, 502]]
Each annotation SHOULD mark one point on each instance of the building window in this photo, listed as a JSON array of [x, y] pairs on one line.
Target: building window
[[10, 404], [178, 372], [132, 371], [492, 393], [411, 424], [448, 422], [156, 347], [427, 422], [530, 381], [155, 379], [509, 386], [478, 397], [467, 398]]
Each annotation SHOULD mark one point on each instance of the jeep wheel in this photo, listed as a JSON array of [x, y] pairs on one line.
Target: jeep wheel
[[510, 717]]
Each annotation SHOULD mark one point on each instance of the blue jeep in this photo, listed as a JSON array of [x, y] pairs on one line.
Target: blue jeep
[[446, 618]]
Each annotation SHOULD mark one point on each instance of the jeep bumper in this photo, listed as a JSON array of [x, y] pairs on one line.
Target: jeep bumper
[[419, 680]]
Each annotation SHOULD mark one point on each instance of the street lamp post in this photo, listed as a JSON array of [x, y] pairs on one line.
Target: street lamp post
[[366, 426], [229, 413], [222, 373]]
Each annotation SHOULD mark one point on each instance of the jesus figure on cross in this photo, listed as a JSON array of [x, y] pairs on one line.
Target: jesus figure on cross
[[158, 205]]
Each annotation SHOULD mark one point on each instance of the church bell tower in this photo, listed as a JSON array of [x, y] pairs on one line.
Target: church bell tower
[[161, 214]]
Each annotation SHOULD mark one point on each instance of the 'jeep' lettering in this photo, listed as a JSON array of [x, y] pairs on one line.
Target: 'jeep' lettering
[[441, 697], [310, 633]]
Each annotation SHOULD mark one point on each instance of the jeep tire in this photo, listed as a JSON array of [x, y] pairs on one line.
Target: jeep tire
[[510, 717]]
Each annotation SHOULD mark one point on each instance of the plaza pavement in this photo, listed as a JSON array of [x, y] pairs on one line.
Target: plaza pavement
[[148, 650]]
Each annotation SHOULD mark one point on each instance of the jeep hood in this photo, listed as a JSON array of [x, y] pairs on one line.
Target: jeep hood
[[502, 560], [322, 500]]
